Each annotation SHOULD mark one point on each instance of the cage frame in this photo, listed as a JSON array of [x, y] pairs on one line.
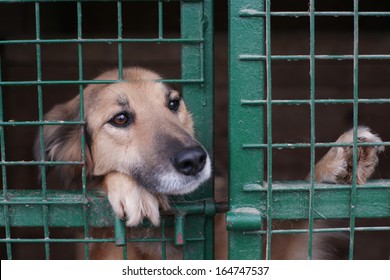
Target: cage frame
[[90, 208], [255, 200]]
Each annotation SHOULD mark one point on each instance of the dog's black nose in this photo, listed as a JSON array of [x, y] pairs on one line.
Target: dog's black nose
[[190, 161]]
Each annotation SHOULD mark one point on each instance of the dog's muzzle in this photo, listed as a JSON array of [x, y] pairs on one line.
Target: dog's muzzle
[[190, 161]]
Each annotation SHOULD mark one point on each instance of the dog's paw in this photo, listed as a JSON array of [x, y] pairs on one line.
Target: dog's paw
[[131, 202], [337, 165]]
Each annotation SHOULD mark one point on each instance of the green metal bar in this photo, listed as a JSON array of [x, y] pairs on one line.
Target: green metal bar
[[124, 252], [120, 49], [252, 13], [260, 232], [289, 202], [120, 77], [297, 186], [103, 40], [34, 202], [316, 101], [50, 1], [308, 145], [40, 99], [4, 172], [210, 210], [246, 124], [87, 82], [163, 242], [40, 123], [353, 199], [268, 63], [191, 59], [97, 240], [312, 128], [160, 19], [120, 232], [257, 57], [27, 208], [41, 137], [81, 90], [197, 63], [82, 119], [207, 73], [320, 230], [2, 138], [55, 240], [179, 228], [77, 198], [40, 163]]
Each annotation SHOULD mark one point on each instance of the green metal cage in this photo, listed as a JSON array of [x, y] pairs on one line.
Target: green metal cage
[[48, 209], [256, 200]]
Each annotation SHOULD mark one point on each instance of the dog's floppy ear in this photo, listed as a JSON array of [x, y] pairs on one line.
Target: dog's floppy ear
[[63, 142]]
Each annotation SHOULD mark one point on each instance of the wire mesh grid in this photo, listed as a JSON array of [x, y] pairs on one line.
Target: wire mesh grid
[[88, 209], [251, 121]]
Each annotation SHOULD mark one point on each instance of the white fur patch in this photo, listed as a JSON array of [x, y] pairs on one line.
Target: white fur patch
[[176, 183]]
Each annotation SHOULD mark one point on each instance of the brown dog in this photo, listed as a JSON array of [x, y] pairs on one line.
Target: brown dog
[[140, 148]]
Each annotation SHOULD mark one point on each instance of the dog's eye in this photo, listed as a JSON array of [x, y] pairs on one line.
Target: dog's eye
[[120, 120], [174, 104]]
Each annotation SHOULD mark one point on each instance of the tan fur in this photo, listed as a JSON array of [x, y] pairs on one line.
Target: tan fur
[[133, 163], [127, 198], [335, 167]]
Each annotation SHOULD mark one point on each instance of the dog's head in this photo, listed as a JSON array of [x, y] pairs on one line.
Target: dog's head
[[139, 127]]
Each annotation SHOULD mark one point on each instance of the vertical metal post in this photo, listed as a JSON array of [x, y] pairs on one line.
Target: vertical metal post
[[120, 48], [180, 236], [207, 25], [246, 123], [122, 227], [353, 202], [269, 128], [160, 19], [6, 208], [45, 208], [120, 232], [312, 127], [197, 63], [163, 241], [82, 119]]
